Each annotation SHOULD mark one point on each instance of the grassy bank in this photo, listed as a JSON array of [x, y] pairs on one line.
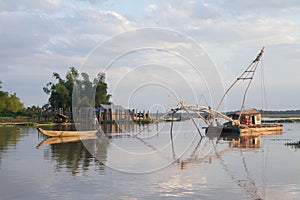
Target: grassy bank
[[26, 123]]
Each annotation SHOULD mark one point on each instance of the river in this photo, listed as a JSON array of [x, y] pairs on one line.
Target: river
[[152, 167]]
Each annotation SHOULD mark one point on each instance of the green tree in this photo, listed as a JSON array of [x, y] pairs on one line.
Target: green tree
[[71, 78], [101, 96], [33, 111], [14, 104], [61, 92], [9, 103]]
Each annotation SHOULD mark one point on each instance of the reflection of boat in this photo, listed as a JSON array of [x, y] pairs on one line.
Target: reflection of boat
[[52, 133], [246, 142], [58, 140]]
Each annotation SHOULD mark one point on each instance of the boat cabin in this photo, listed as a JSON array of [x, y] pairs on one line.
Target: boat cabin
[[249, 117]]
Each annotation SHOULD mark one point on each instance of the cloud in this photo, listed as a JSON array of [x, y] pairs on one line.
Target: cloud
[[47, 6], [49, 36], [45, 36], [219, 22]]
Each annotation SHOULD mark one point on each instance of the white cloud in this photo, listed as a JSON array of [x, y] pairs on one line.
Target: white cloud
[[36, 42], [54, 35]]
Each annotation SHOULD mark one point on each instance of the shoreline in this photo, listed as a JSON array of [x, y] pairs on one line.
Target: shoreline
[[34, 124], [284, 119]]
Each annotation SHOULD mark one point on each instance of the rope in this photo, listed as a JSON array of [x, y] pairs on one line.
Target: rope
[[193, 122], [157, 120], [244, 76], [252, 69]]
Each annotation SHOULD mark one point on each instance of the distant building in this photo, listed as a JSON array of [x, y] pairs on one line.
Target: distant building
[[112, 113]]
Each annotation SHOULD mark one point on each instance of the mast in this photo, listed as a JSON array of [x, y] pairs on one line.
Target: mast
[[248, 74]]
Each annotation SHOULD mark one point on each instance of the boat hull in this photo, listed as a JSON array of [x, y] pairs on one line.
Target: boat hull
[[51, 133], [228, 132], [264, 129], [236, 132]]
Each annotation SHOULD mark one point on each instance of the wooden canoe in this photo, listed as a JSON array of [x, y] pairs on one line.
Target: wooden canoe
[[52, 133]]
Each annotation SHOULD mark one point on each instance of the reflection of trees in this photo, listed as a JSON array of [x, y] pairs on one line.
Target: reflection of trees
[[78, 155], [75, 157], [9, 136]]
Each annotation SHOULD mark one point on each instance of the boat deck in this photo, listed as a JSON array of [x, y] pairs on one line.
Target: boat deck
[[264, 129]]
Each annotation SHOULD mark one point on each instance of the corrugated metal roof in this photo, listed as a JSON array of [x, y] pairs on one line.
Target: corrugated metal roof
[[248, 112]]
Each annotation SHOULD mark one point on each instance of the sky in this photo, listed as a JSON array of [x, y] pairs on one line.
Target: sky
[[154, 53]]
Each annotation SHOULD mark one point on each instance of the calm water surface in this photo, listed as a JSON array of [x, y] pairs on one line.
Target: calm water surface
[[150, 168]]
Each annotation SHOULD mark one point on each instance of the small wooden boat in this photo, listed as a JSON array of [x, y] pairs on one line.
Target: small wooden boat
[[52, 133]]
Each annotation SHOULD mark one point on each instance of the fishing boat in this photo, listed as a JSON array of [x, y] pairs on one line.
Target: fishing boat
[[53, 133], [249, 124], [241, 123]]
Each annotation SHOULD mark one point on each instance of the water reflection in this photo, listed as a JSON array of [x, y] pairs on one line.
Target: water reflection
[[231, 170], [246, 142], [59, 140], [9, 137], [76, 153], [196, 156], [73, 155]]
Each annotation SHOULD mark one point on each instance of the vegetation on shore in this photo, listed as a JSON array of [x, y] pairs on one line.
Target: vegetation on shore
[[295, 145], [9, 103], [281, 114], [12, 110], [62, 91]]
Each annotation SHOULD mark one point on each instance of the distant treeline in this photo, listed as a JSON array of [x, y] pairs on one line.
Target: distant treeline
[[60, 96], [273, 112], [263, 112], [286, 112]]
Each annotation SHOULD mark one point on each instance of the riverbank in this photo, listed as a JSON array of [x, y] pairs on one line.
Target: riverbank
[[34, 124]]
